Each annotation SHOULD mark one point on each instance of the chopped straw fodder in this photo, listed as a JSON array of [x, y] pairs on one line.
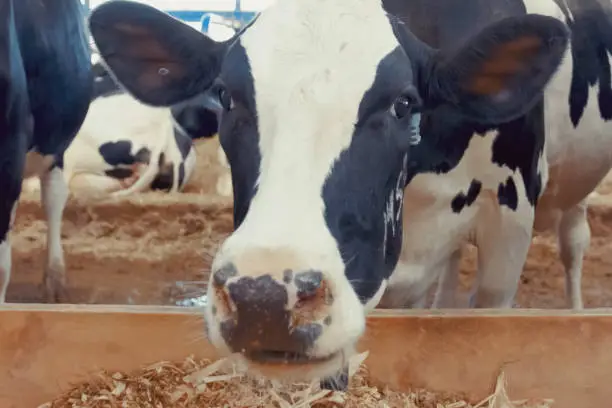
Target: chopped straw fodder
[[206, 384]]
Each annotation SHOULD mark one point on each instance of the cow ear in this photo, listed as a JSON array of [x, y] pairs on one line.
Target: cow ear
[[155, 57], [501, 72]]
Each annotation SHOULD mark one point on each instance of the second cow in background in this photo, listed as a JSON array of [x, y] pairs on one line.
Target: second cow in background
[[125, 147]]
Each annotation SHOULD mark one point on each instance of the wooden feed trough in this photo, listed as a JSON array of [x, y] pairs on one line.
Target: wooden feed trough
[[562, 355]]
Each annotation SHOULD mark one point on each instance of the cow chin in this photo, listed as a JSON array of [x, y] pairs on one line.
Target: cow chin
[[287, 367], [300, 370]]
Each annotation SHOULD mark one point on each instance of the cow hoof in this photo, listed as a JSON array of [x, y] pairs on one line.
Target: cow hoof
[[130, 181], [127, 182], [338, 383], [137, 170], [55, 295], [54, 290]]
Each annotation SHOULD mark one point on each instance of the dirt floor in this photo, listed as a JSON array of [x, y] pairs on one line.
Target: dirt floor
[[157, 248]]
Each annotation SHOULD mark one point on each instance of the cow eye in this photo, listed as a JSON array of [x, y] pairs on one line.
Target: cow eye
[[402, 106], [225, 99]]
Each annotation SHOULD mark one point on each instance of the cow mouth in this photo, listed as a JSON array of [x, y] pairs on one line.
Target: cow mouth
[[266, 357]]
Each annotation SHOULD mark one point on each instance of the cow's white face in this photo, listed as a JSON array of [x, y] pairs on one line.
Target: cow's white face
[[319, 102], [299, 116]]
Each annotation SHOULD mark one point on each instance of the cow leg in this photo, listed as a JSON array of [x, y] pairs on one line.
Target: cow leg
[[405, 291], [5, 263], [54, 194], [395, 298], [418, 303], [93, 185], [7, 219], [13, 148], [448, 283], [503, 238], [224, 181], [574, 240], [414, 295], [224, 185]]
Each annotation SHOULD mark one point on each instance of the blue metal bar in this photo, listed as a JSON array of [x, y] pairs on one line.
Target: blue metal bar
[[193, 16]]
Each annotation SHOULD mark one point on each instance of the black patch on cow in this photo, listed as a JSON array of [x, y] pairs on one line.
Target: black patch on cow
[[449, 23], [183, 143], [45, 85], [164, 179], [520, 145], [462, 200], [591, 39], [59, 161], [120, 153], [15, 121], [507, 194], [119, 173], [181, 174], [57, 62], [238, 130], [446, 134], [143, 155], [115, 153], [363, 181], [104, 85], [197, 121], [445, 137]]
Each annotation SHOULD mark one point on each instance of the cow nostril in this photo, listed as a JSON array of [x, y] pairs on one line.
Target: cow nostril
[[223, 274], [308, 283], [223, 306], [314, 298], [308, 333]]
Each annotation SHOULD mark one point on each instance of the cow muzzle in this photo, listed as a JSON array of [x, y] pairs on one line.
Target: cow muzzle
[[275, 317]]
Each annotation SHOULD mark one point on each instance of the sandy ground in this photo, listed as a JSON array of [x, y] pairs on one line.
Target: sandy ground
[[157, 248]]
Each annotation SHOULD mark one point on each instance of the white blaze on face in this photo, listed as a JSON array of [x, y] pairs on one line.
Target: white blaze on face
[[312, 62]]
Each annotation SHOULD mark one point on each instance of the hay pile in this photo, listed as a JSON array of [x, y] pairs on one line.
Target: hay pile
[[205, 384]]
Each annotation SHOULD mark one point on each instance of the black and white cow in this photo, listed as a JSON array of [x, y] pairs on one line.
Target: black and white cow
[[329, 109], [124, 147], [45, 86], [557, 171]]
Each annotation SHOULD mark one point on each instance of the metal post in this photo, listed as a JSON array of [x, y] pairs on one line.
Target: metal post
[[237, 20]]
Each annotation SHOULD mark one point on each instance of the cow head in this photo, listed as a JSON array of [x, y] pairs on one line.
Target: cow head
[[320, 104]]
